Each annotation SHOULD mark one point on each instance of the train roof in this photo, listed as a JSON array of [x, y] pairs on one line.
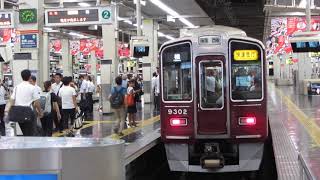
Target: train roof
[[224, 31]]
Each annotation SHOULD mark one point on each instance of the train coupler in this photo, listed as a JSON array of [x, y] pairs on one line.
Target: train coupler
[[212, 157]]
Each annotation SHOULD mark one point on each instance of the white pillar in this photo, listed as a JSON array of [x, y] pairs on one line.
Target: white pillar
[[93, 62], [44, 53], [138, 13], [66, 60], [150, 31], [308, 15]]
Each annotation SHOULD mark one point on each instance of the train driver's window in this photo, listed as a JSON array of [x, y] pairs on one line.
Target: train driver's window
[[176, 73], [246, 71], [211, 92]]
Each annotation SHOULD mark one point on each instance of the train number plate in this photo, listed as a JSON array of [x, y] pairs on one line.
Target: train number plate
[[177, 111]]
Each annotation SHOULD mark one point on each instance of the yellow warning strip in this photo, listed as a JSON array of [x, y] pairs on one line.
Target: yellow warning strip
[[308, 123], [141, 125]]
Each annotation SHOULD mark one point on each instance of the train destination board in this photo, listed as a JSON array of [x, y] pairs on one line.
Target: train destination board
[[246, 55], [78, 16], [29, 177]]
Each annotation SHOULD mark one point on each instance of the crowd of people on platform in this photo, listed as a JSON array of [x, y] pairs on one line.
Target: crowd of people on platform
[[55, 106]]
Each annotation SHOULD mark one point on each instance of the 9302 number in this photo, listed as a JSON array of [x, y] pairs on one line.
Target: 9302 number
[[177, 111]]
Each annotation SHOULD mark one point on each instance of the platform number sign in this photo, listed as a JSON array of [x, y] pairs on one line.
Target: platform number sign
[[106, 14]]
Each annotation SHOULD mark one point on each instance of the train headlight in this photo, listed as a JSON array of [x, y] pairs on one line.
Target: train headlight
[[247, 121], [178, 122]]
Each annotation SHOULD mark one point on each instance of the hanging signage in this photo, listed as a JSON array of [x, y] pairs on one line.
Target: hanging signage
[[6, 19], [27, 16], [29, 41], [78, 16]]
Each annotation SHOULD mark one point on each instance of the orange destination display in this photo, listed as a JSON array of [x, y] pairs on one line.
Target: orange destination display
[[246, 55]]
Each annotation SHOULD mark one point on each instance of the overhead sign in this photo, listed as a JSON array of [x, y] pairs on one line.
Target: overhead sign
[[29, 41], [6, 19], [27, 16], [246, 55], [79, 16]]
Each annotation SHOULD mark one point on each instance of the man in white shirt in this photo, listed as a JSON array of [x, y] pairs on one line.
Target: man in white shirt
[[83, 86], [58, 84], [56, 88], [69, 102], [90, 91], [210, 83], [33, 81], [25, 94], [153, 88]]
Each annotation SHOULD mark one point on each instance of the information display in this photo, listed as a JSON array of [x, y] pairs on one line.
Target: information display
[[30, 177], [6, 19], [310, 46], [246, 55], [141, 51], [78, 16], [29, 41]]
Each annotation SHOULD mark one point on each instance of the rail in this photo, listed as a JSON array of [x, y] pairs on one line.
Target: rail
[[305, 173]]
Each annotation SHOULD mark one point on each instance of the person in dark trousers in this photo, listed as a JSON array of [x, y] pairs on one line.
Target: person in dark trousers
[[2, 108], [69, 103], [25, 94], [55, 88], [47, 119], [90, 91]]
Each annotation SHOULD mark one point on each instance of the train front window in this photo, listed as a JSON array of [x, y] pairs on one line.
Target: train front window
[[211, 84], [246, 71], [176, 73]]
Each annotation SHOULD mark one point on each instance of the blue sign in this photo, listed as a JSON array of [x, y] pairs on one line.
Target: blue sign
[[29, 177], [29, 41]]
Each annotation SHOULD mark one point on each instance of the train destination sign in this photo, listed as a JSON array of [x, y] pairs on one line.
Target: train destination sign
[[78, 16], [6, 19], [246, 55]]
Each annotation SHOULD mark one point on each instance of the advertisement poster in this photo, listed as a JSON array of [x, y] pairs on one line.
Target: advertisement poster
[[282, 30], [55, 46]]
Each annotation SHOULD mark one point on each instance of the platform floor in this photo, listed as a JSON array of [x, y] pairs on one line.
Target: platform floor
[[295, 126]]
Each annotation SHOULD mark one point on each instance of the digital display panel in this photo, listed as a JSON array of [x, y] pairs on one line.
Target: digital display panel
[[310, 46], [141, 51], [243, 81], [29, 177], [246, 55], [78, 16], [6, 20]]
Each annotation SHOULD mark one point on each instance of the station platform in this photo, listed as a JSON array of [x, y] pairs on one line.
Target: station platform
[[138, 140], [295, 127]]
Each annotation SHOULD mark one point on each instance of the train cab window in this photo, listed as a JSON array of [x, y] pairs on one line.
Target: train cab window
[[211, 84], [246, 71], [176, 72]]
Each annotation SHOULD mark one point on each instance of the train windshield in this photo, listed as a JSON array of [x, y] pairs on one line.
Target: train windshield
[[246, 71], [176, 73]]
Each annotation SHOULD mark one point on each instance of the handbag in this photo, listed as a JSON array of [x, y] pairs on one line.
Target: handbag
[[78, 122], [20, 114]]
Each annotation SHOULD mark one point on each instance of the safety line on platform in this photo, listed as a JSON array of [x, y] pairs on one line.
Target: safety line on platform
[[130, 131], [308, 123]]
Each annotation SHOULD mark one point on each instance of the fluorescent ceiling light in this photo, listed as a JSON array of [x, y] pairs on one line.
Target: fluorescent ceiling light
[[160, 34], [142, 2], [173, 13], [83, 4]]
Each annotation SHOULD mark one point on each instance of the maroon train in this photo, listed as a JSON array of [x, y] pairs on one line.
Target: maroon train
[[213, 101]]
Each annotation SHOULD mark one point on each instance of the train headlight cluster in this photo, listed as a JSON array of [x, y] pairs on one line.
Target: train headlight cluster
[[247, 121], [178, 122]]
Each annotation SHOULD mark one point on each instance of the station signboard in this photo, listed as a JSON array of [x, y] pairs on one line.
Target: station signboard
[[6, 19], [79, 16], [29, 41]]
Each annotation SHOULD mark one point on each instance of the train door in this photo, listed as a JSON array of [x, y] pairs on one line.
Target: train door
[[211, 100]]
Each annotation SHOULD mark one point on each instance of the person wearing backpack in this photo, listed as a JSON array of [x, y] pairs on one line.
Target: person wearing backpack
[[117, 102], [49, 106]]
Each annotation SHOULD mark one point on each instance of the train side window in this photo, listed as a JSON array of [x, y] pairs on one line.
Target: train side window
[[176, 73], [246, 71], [211, 84]]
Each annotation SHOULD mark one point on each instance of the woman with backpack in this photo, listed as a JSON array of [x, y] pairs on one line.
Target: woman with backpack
[[117, 101], [49, 105]]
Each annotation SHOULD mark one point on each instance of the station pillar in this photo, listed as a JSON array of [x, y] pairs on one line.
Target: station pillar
[[93, 62], [150, 63], [304, 70], [66, 58], [31, 54]]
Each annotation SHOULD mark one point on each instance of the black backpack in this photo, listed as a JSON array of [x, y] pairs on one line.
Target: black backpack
[[117, 98]]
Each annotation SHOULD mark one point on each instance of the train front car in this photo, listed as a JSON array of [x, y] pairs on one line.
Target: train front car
[[213, 101]]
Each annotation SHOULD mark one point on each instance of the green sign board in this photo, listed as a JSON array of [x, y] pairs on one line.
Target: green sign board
[[106, 14], [27, 16]]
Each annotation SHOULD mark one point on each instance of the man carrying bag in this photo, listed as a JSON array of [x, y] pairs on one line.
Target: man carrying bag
[[24, 99]]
